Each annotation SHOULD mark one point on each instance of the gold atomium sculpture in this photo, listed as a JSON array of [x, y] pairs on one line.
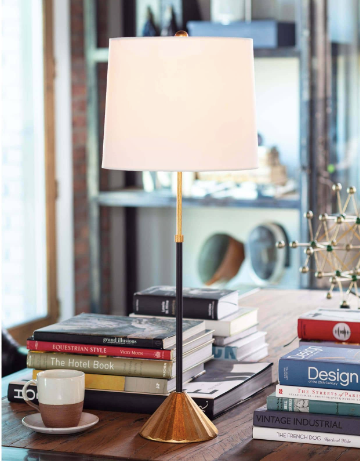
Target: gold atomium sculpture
[[335, 247]]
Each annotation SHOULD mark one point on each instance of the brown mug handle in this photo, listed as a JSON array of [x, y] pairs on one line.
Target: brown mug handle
[[25, 397]]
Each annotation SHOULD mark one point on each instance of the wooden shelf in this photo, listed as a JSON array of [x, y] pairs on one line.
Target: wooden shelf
[[164, 199]]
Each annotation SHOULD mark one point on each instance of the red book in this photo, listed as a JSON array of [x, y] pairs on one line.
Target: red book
[[92, 349], [330, 325]]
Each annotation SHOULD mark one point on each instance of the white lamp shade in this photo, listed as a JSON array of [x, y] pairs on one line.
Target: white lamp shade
[[180, 104]]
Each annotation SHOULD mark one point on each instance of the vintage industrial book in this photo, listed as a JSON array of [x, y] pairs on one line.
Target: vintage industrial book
[[241, 348], [306, 342], [330, 325], [324, 367], [312, 406], [317, 393], [243, 319], [224, 385], [118, 351], [226, 340], [199, 303], [315, 438], [121, 366], [115, 330], [334, 424]]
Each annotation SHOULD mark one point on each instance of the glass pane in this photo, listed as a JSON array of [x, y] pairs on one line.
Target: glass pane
[[24, 293]]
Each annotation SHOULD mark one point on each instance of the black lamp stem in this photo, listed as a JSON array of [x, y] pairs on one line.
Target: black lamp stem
[[179, 238]]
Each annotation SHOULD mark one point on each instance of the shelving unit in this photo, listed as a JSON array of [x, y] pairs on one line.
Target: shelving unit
[[311, 18]]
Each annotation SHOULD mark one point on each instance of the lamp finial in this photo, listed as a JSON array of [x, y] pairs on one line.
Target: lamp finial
[[181, 33]]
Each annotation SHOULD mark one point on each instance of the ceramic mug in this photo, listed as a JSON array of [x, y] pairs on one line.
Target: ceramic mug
[[61, 397]]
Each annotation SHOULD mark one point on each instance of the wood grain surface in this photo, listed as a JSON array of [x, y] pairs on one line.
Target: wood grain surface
[[116, 434]]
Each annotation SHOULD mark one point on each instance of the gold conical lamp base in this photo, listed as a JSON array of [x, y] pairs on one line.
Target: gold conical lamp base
[[179, 420]]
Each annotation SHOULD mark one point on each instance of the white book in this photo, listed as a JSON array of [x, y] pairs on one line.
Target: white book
[[317, 393], [315, 438], [243, 319]]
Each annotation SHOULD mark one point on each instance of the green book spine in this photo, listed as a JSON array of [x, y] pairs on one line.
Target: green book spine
[[101, 365], [312, 406]]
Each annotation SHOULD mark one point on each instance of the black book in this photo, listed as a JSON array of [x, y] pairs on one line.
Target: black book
[[225, 384], [199, 303], [113, 330]]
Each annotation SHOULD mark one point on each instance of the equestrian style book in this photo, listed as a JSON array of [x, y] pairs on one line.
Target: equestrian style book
[[113, 330], [306, 421], [323, 367], [118, 351], [330, 325], [199, 303], [312, 406]]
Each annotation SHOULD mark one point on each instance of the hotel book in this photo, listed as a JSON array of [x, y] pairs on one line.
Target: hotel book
[[315, 438], [112, 330], [243, 319], [324, 367], [311, 393], [199, 303], [120, 366], [118, 351], [224, 385], [306, 421], [312, 406], [330, 325]]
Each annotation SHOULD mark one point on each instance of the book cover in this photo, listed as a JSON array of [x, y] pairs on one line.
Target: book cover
[[226, 340], [88, 349], [311, 406], [334, 424], [314, 438], [330, 325], [323, 367], [317, 393], [199, 303], [104, 365], [115, 330], [240, 348]]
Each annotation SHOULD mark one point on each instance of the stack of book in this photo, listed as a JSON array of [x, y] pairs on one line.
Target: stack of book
[[317, 399], [235, 328], [330, 327], [129, 363]]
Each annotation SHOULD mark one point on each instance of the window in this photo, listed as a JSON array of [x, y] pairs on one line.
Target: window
[[28, 183]]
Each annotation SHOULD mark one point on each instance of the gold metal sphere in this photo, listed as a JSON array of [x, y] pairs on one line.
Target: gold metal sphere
[[351, 190], [319, 275], [309, 215], [294, 244], [333, 243], [304, 269], [348, 247], [308, 251], [357, 272], [328, 295], [344, 304], [337, 187], [181, 33], [333, 280], [323, 217], [339, 219], [280, 244]]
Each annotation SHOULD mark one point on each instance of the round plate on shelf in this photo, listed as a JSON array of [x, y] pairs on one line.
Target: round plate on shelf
[[35, 423]]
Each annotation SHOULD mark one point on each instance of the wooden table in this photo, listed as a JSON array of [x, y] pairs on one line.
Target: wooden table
[[116, 435]]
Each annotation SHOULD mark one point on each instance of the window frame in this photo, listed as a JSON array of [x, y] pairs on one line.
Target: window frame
[[24, 330]]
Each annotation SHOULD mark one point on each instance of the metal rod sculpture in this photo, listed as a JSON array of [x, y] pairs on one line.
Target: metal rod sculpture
[[335, 247]]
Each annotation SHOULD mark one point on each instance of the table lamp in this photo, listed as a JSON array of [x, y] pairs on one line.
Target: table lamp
[[180, 104]]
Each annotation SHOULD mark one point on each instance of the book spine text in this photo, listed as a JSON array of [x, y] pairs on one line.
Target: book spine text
[[311, 393]]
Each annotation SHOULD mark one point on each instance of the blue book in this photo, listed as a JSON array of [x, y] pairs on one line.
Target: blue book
[[324, 367]]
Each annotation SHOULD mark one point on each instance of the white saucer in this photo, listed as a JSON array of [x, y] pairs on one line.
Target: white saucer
[[35, 423]]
